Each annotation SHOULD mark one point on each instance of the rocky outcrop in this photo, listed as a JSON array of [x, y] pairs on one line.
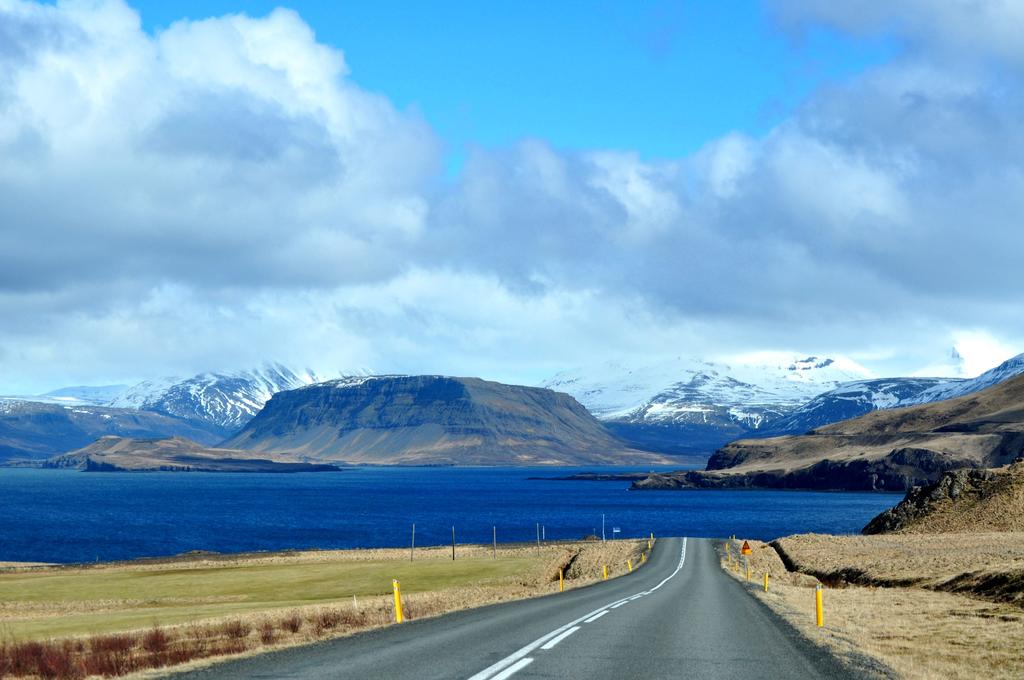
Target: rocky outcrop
[[433, 420], [961, 500]]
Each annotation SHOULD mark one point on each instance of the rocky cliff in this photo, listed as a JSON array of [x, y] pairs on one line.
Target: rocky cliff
[[966, 500], [432, 420]]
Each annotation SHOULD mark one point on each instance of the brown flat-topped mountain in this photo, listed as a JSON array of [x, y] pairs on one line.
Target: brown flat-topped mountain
[[432, 420], [176, 454], [889, 450]]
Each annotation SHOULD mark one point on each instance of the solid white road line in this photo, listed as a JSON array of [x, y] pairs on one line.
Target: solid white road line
[[616, 606], [513, 669], [497, 671], [596, 616], [551, 643]]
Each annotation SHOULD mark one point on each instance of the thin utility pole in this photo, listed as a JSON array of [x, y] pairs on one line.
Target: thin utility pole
[[543, 533], [494, 542], [453, 544], [538, 537], [412, 546], [602, 527]]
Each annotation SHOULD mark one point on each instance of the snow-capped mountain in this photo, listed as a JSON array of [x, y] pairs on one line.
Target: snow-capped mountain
[[226, 401], [684, 404], [855, 399], [958, 388], [684, 388]]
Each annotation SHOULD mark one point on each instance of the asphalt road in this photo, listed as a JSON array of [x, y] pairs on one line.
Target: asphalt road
[[678, 617]]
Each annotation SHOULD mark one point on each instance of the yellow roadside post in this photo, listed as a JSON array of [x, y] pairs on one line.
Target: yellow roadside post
[[605, 572], [818, 610], [629, 565], [399, 615], [748, 570], [766, 581], [561, 580], [643, 557], [648, 545]]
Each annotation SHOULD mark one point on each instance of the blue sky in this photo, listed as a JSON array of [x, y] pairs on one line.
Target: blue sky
[[658, 78], [506, 190]]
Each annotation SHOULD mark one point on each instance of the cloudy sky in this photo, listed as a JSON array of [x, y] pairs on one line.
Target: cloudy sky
[[506, 191]]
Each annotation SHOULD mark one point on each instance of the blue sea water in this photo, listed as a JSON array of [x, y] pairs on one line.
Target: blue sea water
[[68, 516]]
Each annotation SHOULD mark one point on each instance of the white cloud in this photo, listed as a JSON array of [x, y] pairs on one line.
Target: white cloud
[[980, 351], [224, 192], [726, 162]]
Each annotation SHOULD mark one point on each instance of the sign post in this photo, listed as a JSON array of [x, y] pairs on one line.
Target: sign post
[[745, 550]]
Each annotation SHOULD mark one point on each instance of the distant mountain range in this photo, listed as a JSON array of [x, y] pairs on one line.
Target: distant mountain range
[[689, 405], [676, 406], [207, 408]]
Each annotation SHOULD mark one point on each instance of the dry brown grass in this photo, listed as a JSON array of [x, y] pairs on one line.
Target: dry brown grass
[[917, 632], [989, 565], [199, 641]]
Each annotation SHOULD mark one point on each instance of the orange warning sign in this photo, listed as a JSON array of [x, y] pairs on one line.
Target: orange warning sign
[[745, 550]]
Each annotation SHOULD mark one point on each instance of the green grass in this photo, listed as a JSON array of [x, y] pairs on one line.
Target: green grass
[[125, 598]]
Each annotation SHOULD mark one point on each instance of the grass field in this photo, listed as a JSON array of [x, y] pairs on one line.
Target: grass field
[[123, 598], [119, 618], [895, 599], [58, 602]]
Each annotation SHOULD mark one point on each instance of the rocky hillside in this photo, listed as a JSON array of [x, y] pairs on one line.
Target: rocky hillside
[[432, 420], [34, 431], [175, 454], [885, 450], [961, 501]]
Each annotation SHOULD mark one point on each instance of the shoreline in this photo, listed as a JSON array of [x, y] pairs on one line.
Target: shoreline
[[640, 476]]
